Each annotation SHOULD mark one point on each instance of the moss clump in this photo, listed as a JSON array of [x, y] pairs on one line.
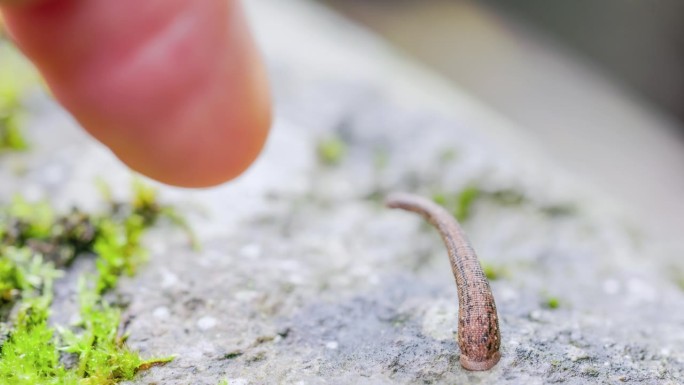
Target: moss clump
[[465, 202], [331, 151], [448, 155], [16, 77], [680, 282], [36, 244], [494, 272], [103, 357], [30, 356], [461, 203], [11, 138], [552, 303]]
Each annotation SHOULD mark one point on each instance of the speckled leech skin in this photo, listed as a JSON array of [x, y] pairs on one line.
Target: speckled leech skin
[[478, 322]]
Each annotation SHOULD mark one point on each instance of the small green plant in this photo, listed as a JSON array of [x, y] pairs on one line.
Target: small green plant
[[381, 159], [11, 138], [552, 303], [331, 151], [36, 244], [30, 355], [465, 202], [494, 272], [507, 197], [676, 273], [447, 155], [680, 283], [461, 203], [16, 77]]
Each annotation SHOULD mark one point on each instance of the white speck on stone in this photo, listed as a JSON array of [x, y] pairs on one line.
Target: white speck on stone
[[33, 193], [54, 173], [536, 315], [641, 291], [206, 323], [246, 295], [507, 294], [75, 319], [374, 279], [332, 345], [296, 279], [575, 354], [204, 262], [251, 251], [168, 279], [290, 265], [576, 335], [237, 381], [611, 286], [157, 246], [440, 319], [161, 313]]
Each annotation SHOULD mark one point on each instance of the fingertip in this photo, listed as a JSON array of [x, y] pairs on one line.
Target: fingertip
[[175, 88]]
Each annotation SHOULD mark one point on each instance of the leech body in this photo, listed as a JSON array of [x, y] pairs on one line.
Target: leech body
[[478, 322]]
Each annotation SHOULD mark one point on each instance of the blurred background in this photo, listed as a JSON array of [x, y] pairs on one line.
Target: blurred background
[[599, 84]]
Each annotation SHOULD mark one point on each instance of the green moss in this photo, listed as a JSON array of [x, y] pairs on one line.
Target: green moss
[[232, 355], [440, 199], [119, 250], [103, 357], [11, 280], [11, 137], [508, 197], [494, 272], [676, 273], [461, 204], [680, 282], [559, 210], [331, 151], [380, 159], [448, 155], [31, 350], [552, 303], [465, 202], [16, 78], [30, 355]]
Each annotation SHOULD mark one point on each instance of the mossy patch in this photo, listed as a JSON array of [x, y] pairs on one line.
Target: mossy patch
[[16, 78], [36, 245], [462, 203], [459, 204], [494, 272], [552, 303], [331, 151]]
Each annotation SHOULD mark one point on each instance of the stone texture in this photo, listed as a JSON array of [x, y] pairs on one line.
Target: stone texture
[[304, 278]]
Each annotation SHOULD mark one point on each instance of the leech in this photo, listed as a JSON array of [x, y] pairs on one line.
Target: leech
[[478, 322]]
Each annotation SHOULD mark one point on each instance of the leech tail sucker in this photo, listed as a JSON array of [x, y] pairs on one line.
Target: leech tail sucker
[[478, 322]]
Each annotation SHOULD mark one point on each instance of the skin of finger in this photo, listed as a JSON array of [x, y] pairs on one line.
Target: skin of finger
[[175, 88]]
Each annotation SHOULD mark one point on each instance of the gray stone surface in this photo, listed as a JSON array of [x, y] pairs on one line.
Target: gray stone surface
[[304, 278]]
